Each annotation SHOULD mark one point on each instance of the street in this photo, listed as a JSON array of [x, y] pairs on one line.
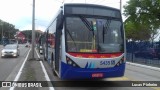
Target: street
[[10, 65], [80, 45], [33, 71]]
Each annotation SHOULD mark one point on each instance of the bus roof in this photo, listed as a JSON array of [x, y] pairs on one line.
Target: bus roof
[[91, 9], [81, 5], [90, 5]]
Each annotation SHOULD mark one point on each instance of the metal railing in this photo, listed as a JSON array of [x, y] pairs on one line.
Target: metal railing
[[143, 53]]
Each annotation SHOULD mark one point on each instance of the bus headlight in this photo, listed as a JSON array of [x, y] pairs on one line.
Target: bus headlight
[[121, 61], [71, 62]]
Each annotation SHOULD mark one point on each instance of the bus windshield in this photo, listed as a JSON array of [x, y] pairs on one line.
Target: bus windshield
[[94, 35]]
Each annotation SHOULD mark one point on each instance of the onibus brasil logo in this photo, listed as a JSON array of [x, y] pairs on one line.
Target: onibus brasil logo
[[21, 84]]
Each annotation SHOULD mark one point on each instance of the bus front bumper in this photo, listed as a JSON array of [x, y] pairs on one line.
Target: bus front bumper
[[69, 72]]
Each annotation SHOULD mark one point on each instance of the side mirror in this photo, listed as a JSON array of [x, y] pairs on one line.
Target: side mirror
[[60, 20]]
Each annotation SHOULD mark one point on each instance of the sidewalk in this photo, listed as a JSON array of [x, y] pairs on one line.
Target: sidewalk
[[32, 71]]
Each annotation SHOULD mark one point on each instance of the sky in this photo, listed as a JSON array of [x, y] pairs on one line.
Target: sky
[[19, 12]]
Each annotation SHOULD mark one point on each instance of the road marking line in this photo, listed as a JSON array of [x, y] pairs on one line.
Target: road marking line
[[155, 88], [20, 70], [45, 72], [118, 79]]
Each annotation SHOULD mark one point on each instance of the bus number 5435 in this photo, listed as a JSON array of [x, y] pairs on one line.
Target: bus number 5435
[[112, 62]]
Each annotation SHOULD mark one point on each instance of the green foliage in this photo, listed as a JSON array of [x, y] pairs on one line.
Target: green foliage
[[28, 34], [143, 19], [8, 30]]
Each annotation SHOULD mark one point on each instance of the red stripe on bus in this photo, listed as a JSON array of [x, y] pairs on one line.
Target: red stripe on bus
[[88, 55]]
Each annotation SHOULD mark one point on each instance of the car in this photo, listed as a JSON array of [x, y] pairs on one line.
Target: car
[[27, 45], [10, 50]]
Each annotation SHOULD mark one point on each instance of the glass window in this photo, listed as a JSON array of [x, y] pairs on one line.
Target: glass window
[[91, 10], [93, 35], [10, 47]]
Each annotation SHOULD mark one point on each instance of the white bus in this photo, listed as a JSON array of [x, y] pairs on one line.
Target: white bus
[[86, 41]]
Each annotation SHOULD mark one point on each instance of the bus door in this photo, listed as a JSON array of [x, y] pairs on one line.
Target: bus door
[[58, 40]]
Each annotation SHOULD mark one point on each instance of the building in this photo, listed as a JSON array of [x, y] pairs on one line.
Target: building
[[20, 37]]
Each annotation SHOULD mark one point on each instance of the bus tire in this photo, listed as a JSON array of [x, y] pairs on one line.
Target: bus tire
[[44, 57], [54, 72], [52, 60], [52, 65]]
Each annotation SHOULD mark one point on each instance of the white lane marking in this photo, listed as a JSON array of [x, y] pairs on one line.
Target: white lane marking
[[20, 70], [145, 66], [45, 72]]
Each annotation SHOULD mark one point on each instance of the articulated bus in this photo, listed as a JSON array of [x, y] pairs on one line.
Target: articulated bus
[[85, 41]]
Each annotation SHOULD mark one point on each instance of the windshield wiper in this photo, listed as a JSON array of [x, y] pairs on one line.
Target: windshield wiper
[[105, 29], [90, 28], [103, 34], [71, 37], [88, 25]]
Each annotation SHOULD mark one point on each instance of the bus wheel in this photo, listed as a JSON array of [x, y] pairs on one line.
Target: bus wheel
[[52, 60], [52, 65], [54, 72], [44, 57]]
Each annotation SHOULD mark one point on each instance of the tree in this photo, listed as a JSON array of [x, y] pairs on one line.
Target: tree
[[8, 29], [28, 34], [136, 31], [143, 18]]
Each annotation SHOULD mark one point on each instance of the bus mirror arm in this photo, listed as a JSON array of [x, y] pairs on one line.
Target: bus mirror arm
[[60, 20]]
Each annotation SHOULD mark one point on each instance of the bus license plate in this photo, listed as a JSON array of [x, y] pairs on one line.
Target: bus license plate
[[96, 75]]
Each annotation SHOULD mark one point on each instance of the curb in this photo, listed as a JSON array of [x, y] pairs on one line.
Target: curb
[[144, 66]]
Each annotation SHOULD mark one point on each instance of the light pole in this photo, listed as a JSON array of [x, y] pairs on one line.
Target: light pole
[[33, 29], [120, 5], [2, 28]]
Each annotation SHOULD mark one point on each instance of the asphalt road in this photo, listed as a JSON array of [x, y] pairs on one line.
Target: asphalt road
[[9, 66]]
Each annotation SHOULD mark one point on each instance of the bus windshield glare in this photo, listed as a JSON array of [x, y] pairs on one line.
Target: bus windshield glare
[[94, 35]]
